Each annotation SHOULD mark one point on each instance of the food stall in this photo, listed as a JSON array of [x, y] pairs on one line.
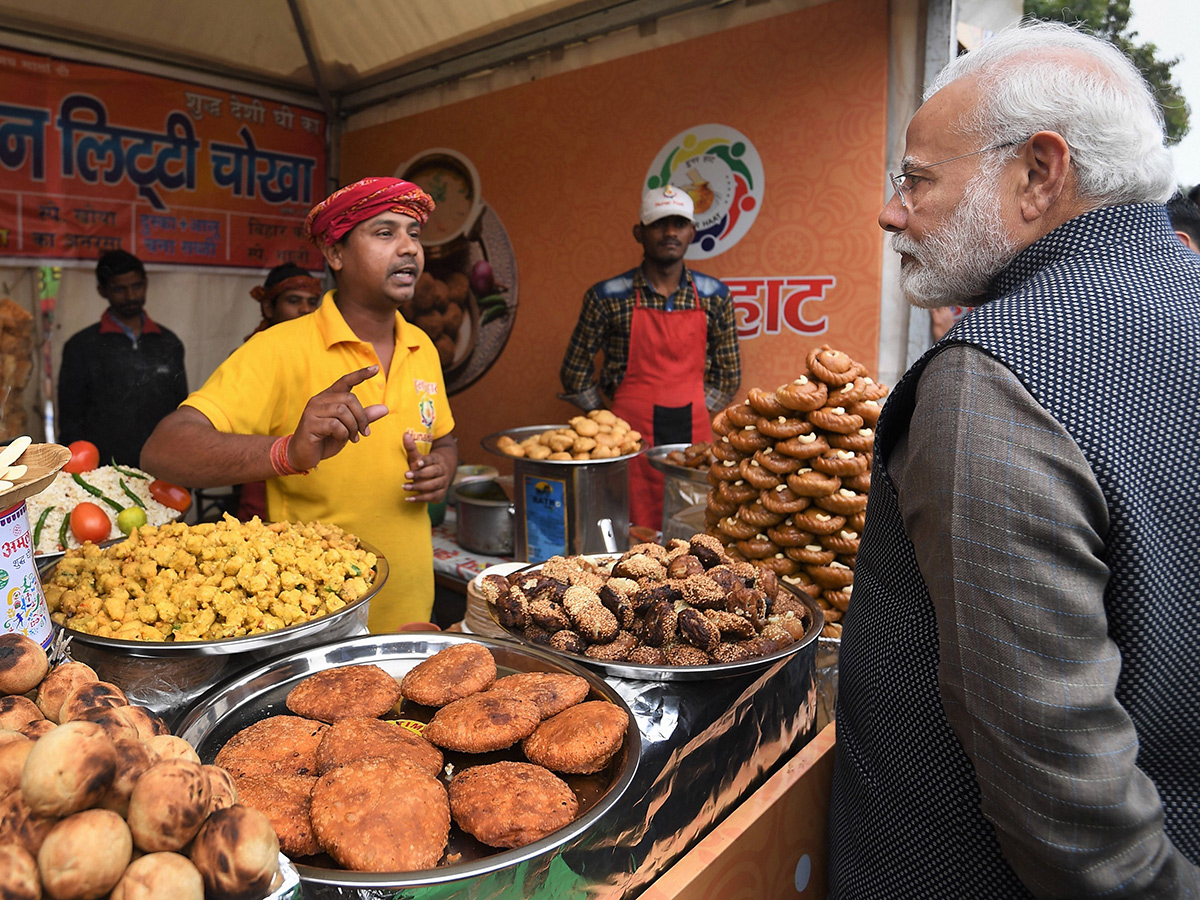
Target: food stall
[[722, 725], [715, 746]]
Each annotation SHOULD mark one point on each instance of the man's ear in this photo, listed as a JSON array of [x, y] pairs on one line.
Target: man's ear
[[333, 255], [1046, 174], [637, 232], [1188, 241]]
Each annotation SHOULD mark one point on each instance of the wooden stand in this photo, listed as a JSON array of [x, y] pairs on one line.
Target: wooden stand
[[773, 845]]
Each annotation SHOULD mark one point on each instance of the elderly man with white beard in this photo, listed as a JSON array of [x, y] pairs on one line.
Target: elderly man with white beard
[[1019, 698]]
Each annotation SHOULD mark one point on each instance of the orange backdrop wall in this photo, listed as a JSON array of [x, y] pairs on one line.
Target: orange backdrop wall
[[562, 161]]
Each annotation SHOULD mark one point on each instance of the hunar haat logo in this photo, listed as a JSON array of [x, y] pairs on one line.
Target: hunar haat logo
[[721, 171]]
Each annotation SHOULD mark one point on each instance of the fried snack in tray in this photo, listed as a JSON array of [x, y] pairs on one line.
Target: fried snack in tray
[[285, 800], [209, 581], [360, 738], [580, 740], [598, 435], [817, 433], [644, 594], [381, 815], [483, 722], [552, 692], [344, 692], [275, 745], [450, 675], [511, 804], [372, 793]]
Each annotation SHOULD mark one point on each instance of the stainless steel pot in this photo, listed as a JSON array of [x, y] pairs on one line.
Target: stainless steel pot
[[485, 518]]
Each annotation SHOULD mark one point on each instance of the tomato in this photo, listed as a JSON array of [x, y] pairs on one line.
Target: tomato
[[84, 457], [171, 495], [90, 523]]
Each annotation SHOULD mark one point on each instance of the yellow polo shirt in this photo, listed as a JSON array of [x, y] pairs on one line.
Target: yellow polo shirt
[[262, 388]]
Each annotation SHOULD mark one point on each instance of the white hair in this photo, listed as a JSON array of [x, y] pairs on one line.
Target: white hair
[[1041, 76]]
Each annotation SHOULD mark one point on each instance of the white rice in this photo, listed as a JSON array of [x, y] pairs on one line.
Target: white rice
[[64, 493]]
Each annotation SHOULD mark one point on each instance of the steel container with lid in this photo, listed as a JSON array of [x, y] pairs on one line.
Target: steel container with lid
[[566, 507]]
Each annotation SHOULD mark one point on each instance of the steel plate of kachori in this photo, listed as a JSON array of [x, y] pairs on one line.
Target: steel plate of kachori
[[260, 693]]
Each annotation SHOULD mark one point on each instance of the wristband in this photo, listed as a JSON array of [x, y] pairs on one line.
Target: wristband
[[279, 458]]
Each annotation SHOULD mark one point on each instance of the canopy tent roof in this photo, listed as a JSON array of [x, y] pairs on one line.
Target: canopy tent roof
[[348, 53]]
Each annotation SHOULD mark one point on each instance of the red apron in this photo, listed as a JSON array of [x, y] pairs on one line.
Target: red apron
[[662, 394]]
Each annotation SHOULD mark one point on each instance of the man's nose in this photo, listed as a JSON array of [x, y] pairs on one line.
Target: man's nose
[[893, 217]]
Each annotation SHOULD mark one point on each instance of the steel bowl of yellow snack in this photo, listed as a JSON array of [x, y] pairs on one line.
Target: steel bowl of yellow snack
[[173, 609]]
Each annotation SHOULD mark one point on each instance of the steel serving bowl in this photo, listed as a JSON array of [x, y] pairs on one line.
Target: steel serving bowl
[[261, 692], [169, 676], [643, 672], [657, 457]]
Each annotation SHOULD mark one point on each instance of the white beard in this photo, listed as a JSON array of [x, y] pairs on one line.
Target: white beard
[[952, 266]]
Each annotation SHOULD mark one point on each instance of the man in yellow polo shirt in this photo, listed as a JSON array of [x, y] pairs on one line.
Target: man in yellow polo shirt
[[344, 411]]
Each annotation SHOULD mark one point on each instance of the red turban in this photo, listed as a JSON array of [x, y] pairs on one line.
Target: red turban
[[295, 283], [330, 220]]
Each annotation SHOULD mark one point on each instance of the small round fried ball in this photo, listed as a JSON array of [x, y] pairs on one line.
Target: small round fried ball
[[19, 879], [61, 681], [68, 769], [94, 695], [237, 853], [168, 746], [16, 712], [84, 855], [12, 760], [222, 790], [23, 663], [158, 875], [146, 723], [168, 805], [133, 759]]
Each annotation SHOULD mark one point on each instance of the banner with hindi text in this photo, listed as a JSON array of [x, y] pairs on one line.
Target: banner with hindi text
[[94, 158]]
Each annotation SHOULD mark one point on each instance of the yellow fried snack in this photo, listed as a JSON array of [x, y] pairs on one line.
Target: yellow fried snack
[[209, 581]]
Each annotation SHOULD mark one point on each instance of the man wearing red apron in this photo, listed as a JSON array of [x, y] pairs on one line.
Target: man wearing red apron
[[670, 345]]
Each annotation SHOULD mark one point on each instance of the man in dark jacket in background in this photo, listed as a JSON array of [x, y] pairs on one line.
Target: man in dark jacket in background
[[119, 377]]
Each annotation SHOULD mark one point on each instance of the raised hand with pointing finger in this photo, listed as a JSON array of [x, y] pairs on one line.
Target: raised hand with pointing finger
[[331, 419]]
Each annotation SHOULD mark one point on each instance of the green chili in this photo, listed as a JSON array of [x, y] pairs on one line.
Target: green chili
[[62, 531], [496, 312], [130, 494], [492, 300], [37, 529], [95, 491], [130, 473], [355, 569]]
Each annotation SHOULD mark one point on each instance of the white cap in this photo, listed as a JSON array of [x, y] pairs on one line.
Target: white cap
[[666, 201]]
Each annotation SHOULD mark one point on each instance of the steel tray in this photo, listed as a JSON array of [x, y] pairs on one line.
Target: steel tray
[[643, 672], [519, 434], [657, 457], [261, 692]]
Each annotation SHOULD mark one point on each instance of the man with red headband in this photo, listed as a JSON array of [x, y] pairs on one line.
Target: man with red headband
[[344, 411], [289, 292]]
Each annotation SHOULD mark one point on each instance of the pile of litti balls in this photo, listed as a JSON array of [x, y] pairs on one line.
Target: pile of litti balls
[[99, 799]]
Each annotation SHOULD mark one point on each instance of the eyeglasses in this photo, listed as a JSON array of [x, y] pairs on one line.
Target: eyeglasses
[[904, 183]]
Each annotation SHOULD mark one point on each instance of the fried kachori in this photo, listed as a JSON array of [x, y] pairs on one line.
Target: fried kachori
[[344, 692], [451, 674], [277, 745], [378, 815], [483, 722], [579, 740], [285, 800], [511, 804], [551, 691], [362, 738]]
